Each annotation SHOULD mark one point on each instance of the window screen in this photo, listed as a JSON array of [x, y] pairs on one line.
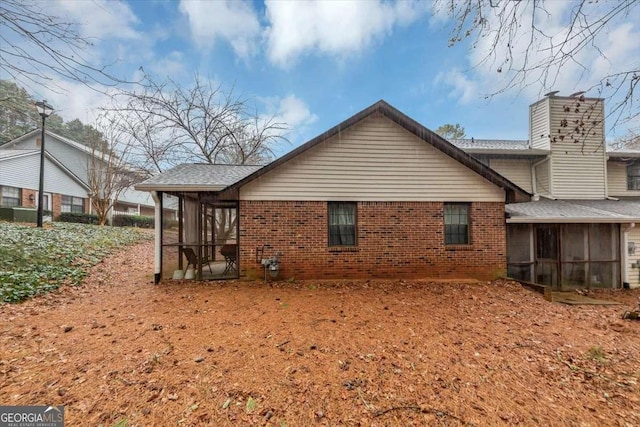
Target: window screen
[[342, 224], [456, 223]]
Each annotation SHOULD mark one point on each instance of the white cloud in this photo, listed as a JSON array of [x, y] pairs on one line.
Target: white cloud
[[337, 28], [463, 89], [491, 68], [233, 20], [101, 18], [291, 112], [172, 65], [75, 100], [294, 112]]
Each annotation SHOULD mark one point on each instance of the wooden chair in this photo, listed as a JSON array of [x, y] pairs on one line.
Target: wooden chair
[[192, 259]]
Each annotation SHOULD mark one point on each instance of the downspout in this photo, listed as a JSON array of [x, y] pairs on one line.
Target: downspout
[[534, 177], [625, 251], [606, 184], [157, 272]]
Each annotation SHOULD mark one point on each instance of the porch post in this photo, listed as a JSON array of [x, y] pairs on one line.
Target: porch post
[[157, 198]]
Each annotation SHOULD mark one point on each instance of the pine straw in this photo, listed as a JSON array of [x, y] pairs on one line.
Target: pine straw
[[354, 352]]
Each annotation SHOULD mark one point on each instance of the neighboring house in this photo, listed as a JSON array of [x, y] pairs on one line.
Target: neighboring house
[[582, 228], [379, 195], [65, 178], [19, 181]]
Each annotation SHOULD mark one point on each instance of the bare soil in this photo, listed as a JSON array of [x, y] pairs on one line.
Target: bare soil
[[121, 351]]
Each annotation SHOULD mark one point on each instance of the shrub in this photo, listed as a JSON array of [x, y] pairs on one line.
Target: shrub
[[82, 218], [169, 223], [132, 221]]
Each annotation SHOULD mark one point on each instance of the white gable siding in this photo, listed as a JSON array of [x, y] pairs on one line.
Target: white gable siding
[[578, 167], [617, 180], [517, 171], [73, 159], [539, 124], [24, 172], [374, 160], [136, 197]]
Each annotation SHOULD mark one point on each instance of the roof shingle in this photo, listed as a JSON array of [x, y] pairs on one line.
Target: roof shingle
[[197, 177]]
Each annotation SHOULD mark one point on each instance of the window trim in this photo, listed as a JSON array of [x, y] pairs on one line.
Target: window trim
[[468, 242], [355, 225], [71, 205], [18, 199], [633, 176]]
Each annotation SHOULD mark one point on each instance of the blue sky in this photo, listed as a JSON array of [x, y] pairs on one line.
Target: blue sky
[[314, 64]]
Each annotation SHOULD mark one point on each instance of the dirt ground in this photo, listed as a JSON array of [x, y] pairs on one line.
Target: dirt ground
[[121, 351]]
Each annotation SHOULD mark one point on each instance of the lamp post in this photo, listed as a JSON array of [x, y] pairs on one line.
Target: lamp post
[[45, 111]]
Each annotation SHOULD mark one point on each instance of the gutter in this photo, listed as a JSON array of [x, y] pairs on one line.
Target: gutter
[[568, 220]]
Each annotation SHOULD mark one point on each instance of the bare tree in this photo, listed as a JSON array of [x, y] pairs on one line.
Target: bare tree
[[36, 45], [108, 173], [175, 124], [519, 46]]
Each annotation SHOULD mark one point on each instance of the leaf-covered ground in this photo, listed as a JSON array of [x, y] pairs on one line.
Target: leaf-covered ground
[[38, 260], [120, 351]]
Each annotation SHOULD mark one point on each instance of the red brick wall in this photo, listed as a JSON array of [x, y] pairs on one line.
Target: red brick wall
[[56, 203], [395, 239], [26, 203]]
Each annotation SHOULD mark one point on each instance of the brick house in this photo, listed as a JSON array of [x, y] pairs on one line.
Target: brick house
[[378, 195]]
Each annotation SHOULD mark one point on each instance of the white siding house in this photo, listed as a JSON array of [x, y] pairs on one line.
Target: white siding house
[[16, 170], [355, 165], [74, 159], [582, 193]]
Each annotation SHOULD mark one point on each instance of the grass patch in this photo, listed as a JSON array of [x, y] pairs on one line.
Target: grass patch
[[597, 353], [38, 260]]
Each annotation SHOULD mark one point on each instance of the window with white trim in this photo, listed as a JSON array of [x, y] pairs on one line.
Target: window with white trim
[[72, 204], [633, 176], [10, 196]]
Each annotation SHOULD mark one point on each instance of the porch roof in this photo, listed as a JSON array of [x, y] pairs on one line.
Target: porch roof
[[197, 177], [509, 147], [574, 211]]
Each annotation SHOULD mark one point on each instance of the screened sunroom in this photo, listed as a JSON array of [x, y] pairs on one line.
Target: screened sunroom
[[203, 242], [565, 256], [573, 244]]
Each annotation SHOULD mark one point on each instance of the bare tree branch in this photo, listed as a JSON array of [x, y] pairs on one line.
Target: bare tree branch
[[108, 172], [519, 47], [36, 46], [174, 124]]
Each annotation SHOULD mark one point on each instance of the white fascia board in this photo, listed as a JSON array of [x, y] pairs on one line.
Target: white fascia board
[[170, 187]]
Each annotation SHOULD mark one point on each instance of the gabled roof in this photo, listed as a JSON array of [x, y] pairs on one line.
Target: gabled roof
[[427, 136], [197, 177], [36, 132], [8, 154], [11, 154]]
